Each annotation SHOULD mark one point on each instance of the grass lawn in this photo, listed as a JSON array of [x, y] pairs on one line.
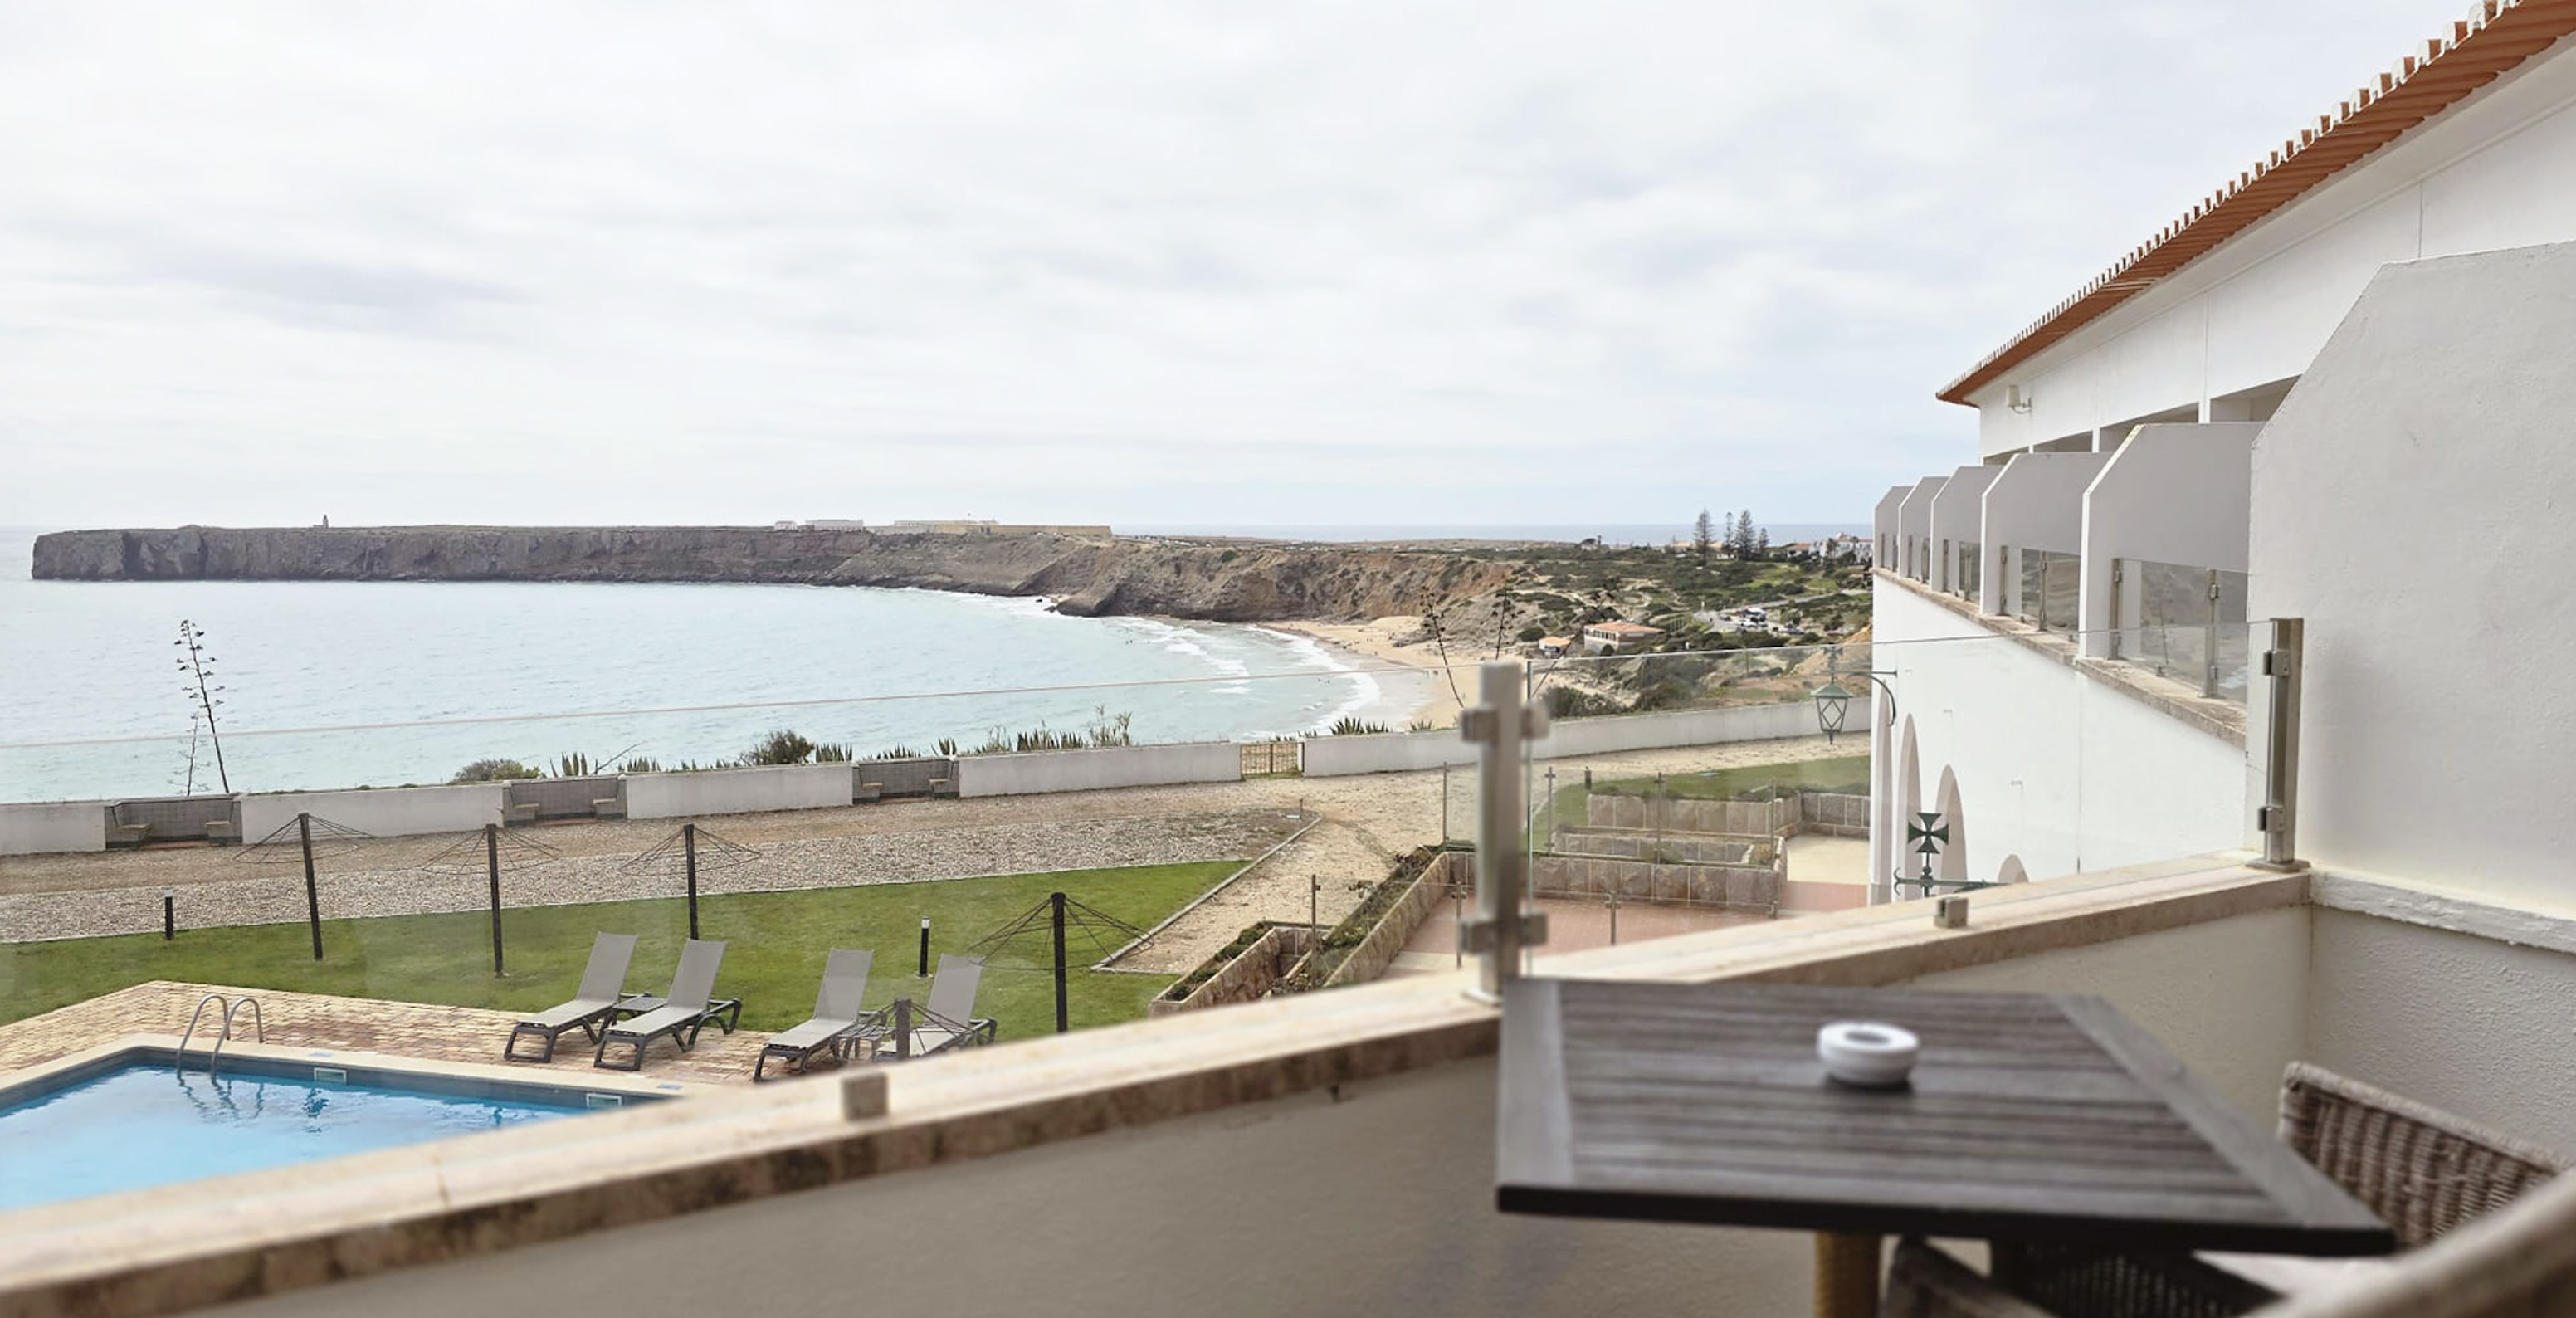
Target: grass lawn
[[774, 961], [1840, 773]]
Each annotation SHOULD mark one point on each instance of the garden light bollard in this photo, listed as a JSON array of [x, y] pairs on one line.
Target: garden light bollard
[[1503, 931], [925, 947], [169, 914]]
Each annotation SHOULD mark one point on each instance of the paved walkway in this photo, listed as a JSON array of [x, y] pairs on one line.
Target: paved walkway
[[399, 1029]]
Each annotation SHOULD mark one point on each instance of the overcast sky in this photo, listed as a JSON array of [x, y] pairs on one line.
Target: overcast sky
[[1276, 263]]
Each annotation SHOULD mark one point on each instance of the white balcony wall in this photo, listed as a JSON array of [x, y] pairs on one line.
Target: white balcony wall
[[2471, 1024], [2037, 502], [1914, 527], [1882, 522], [2413, 505], [2060, 768], [2171, 494], [1376, 1199], [1958, 518], [2489, 173]]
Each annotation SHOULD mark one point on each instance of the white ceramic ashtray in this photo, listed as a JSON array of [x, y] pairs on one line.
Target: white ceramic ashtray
[[1867, 1053]]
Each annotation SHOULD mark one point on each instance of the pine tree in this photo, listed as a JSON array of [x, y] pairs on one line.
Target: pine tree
[[1702, 537]]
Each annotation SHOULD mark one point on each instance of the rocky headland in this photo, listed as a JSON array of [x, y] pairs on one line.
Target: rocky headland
[[1231, 582]]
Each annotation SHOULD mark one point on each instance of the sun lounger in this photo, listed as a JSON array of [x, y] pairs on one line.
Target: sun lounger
[[950, 1021], [592, 1004], [836, 1019], [681, 1013]]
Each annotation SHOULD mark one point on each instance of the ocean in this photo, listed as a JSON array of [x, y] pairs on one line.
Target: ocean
[[342, 684]]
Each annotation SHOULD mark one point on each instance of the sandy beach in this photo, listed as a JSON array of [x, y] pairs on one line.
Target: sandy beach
[[1378, 643]]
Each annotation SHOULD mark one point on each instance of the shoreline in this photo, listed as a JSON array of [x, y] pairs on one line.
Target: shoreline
[[1374, 643]]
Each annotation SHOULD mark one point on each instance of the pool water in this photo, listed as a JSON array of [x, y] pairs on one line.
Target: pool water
[[148, 1125]]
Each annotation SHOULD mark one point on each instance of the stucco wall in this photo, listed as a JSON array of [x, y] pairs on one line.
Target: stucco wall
[[2171, 494], [738, 791], [1117, 766], [1376, 1198], [1914, 524], [2489, 173], [1389, 752], [27, 830], [2468, 1024], [1883, 525], [2414, 507], [1958, 517], [384, 812], [1689, 727], [2036, 503], [2066, 772], [1332, 757], [2228, 998]]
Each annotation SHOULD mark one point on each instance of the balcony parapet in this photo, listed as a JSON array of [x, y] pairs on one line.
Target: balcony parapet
[[2223, 719], [185, 1246]]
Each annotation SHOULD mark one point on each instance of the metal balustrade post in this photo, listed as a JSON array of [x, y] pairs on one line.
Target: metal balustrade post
[[1503, 931], [2273, 693]]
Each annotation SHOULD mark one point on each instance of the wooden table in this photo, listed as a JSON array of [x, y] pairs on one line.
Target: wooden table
[[2030, 1117]]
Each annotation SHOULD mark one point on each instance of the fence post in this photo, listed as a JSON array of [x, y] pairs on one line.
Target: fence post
[[2273, 695], [492, 868], [312, 892]]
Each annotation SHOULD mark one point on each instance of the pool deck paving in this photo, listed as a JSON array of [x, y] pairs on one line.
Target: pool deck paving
[[416, 1030]]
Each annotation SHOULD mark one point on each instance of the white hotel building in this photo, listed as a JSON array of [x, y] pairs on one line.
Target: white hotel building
[[2342, 389]]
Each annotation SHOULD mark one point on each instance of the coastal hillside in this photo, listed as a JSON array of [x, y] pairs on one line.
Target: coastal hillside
[[1091, 576]]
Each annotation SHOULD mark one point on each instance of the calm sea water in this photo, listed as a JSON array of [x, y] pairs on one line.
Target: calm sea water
[[652, 669]]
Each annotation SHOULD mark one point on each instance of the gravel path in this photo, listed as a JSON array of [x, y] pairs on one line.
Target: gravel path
[[1365, 823]]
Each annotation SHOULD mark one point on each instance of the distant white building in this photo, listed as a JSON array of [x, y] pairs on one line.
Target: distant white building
[[2335, 390], [1614, 637]]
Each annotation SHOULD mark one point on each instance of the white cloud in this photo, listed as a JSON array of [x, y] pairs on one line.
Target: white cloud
[[1315, 262]]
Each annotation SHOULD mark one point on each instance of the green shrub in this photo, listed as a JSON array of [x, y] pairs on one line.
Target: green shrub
[[493, 771], [780, 747], [1349, 725]]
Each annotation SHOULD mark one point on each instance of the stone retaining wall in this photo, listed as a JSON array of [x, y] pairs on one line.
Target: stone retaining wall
[[1377, 951], [1249, 974]]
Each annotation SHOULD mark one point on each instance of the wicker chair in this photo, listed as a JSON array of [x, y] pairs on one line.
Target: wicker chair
[[2422, 1170], [2517, 1263]]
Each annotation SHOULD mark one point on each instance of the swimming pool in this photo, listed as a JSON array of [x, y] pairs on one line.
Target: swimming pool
[[140, 1123]]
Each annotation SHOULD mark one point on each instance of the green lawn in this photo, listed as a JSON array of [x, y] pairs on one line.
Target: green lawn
[[774, 961], [1840, 773]]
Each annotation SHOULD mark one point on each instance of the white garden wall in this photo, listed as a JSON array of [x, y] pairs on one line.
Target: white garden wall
[[1692, 727], [738, 791], [27, 830], [1092, 770], [384, 812]]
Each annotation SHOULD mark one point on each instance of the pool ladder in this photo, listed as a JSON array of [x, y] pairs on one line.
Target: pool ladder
[[179, 1061]]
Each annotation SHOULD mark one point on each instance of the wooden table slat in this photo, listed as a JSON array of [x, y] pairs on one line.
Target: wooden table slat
[[2030, 1116]]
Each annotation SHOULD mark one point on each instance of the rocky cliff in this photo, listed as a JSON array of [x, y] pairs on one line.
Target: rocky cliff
[[1235, 583]]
